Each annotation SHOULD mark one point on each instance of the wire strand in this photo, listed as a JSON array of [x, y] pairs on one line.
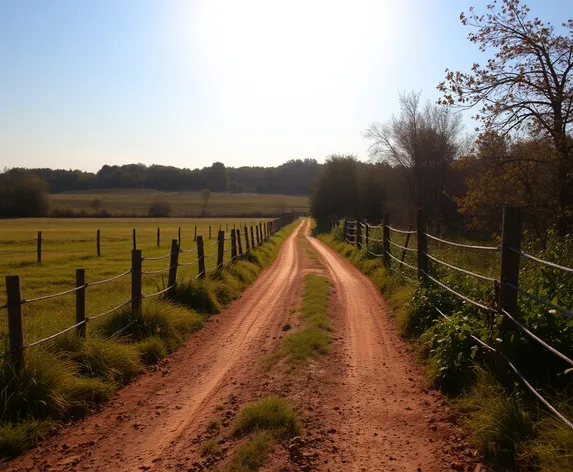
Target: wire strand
[[463, 297], [402, 231], [111, 279], [539, 340], [541, 261], [540, 300], [467, 246], [402, 262], [467, 272]]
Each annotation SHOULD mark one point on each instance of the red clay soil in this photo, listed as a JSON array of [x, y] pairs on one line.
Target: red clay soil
[[363, 407]]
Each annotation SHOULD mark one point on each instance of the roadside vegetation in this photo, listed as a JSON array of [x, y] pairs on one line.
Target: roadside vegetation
[[511, 429], [67, 377]]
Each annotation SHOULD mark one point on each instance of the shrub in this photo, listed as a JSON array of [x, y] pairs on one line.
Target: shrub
[[159, 208]]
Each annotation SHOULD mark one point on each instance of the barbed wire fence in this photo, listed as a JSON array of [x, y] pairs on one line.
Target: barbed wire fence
[[14, 306], [369, 237]]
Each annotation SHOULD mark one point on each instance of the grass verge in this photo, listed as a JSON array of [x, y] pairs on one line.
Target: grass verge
[[69, 376]]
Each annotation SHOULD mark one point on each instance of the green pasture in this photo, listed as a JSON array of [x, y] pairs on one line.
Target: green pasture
[[135, 202], [69, 244]]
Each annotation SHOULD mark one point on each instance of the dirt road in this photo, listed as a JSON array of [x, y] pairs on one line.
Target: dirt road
[[371, 405]]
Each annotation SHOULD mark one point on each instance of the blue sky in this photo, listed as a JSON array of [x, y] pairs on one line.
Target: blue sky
[[187, 83]]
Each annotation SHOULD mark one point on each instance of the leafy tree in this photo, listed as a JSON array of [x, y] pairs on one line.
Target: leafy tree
[[503, 172], [23, 194], [336, 191], [525, 86], [205, 195], [95, 204]]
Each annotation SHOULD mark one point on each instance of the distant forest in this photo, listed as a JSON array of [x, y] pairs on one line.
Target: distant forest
[[291, 178]]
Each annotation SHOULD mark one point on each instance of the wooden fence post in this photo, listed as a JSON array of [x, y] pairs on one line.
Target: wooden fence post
[[421, 228], [136, 281], [81, 302], [240, 245], [345, 228], [201, 257], [15, 322], [158, 237], [358, 234], [386, 240], [179, 236], [252, 238], [173, 263], [261, 240], [39, 248], [134, 236], [258, 235], [220, 248], [209, 231], [247, 246], [195, 234], [233, 244], [367, 235], [98, 242], [405, 246]]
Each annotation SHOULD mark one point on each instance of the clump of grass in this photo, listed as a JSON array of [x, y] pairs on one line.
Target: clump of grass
[[85, 392], [209, 448], [500, 425], [169, 322], [552, 447], [272, 414], [38, 391], [199, 295], [213, 426], [252, 454], [101, 358], [16, 438], [151, 350]]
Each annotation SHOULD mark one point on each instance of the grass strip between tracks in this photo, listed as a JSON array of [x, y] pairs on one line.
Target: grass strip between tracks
[[68, 377], [313, 340]]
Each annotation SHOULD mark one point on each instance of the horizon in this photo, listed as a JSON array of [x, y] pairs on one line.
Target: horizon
[[186, 84]]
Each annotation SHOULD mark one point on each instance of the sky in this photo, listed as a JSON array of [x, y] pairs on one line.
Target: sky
[[247, 83]]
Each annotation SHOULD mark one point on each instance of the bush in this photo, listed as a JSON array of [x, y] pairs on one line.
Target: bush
[[159, 208], [23, 194]]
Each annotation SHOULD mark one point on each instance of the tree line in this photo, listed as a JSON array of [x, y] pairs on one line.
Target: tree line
[[291, 178]]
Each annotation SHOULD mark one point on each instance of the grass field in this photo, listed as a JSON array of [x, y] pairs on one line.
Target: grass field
[[71, 243], [135, 202]]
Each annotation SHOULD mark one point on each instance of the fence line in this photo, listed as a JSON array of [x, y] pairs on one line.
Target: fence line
[[15, 301], [507, 286]]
